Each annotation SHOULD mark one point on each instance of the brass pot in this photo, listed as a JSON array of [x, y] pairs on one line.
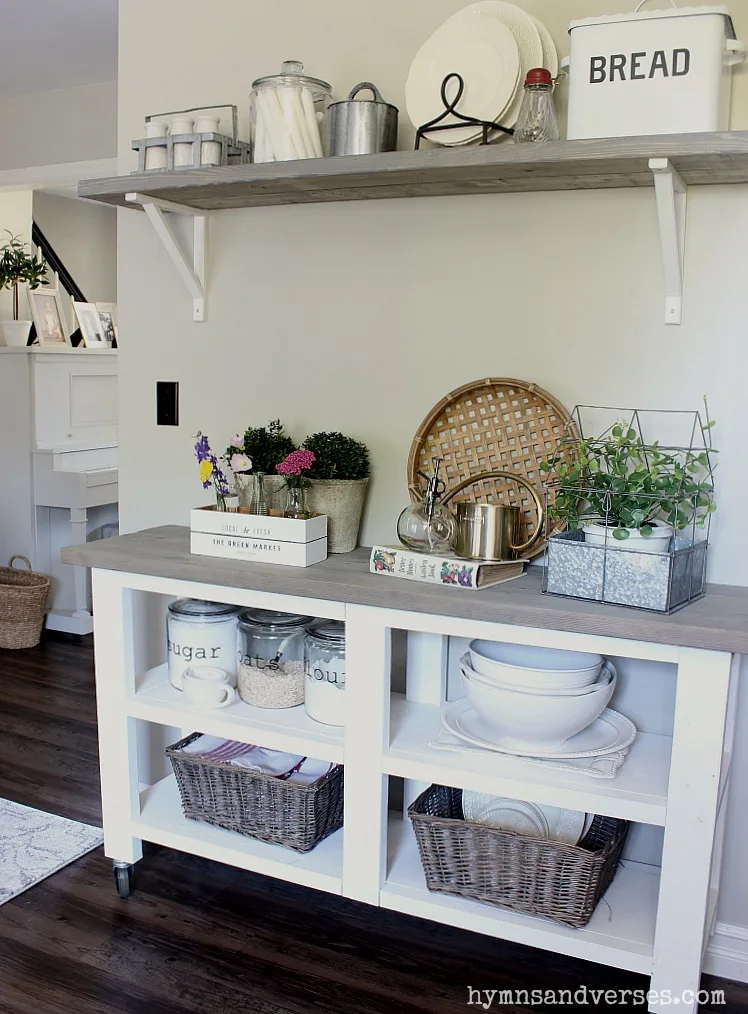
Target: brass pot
[[487, 531]]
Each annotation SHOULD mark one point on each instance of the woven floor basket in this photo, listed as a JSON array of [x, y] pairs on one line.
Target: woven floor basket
[[23, 605], [561, 882], [260, 806]]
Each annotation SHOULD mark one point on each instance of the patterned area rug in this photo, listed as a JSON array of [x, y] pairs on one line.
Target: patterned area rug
[[34, 845]]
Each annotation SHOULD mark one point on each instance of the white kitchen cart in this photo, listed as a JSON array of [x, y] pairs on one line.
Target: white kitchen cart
[[657, 920]]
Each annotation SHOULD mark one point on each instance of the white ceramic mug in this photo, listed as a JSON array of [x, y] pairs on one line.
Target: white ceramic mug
[[182, 151], [155, 155], [206, 687], [210, 151]]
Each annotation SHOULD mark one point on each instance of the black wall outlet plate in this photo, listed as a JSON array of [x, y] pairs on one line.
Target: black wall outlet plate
[[167, 403]]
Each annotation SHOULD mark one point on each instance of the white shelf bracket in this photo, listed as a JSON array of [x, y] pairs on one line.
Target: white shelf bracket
[[191, 269], [671, 194]]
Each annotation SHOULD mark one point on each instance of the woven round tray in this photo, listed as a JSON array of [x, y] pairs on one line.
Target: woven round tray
[[489, 425]]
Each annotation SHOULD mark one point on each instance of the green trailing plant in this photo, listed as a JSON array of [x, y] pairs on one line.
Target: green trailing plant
[[266, 446], [618, 480], [337, 457], [18, 267]]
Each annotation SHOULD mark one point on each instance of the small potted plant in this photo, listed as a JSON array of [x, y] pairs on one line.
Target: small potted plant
[[18, 267], [617, 493], [338, 483], [266, 447]]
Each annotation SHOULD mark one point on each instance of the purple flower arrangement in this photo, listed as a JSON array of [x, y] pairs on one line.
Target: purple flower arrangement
[[211, 473]]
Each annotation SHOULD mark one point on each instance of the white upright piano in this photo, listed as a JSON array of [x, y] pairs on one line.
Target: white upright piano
[[58, 465]]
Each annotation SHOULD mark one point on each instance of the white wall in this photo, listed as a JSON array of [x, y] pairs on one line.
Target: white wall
[[357, 316], [70, 125], [15, 218], [84, 236]]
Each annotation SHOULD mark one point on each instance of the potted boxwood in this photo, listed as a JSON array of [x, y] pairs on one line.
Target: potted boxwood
[[266, 447], [337, 486], [16, 268]]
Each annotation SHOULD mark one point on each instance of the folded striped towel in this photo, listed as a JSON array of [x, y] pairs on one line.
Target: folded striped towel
[[288, 766]]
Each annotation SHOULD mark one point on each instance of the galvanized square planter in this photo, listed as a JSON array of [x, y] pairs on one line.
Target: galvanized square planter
[[661, 582]]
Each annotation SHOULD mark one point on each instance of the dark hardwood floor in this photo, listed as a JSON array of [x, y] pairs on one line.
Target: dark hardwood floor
[[200, 938]]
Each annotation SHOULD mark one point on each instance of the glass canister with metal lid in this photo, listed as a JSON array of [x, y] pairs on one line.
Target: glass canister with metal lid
[[271, 658], [200, 633], [288, 115], [324, 665]]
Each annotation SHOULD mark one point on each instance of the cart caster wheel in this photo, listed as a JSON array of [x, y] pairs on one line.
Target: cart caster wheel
[[123, 879]]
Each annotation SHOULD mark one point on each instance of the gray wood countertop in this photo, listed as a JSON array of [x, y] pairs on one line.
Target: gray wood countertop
[[719, 621]]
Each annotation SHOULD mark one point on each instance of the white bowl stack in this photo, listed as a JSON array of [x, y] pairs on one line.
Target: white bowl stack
[[492, 45], [535, 698]]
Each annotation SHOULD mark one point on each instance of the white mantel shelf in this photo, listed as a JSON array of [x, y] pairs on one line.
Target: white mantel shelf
[[718, 622], [654, 919], [53, 350], [710, 158]]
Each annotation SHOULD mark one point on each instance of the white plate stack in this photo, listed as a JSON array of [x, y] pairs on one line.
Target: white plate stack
[[491, 45], [551, 823]]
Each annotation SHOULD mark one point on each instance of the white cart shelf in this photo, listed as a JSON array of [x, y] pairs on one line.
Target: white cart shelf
[[639, 792], [653, 920]]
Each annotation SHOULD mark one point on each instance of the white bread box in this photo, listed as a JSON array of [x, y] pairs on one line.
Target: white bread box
[[666, 71]]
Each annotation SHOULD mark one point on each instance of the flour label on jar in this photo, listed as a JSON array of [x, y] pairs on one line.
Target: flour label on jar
[[328, 673]]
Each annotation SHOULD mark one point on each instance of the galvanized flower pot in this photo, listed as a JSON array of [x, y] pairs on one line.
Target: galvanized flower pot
[[662, 582]]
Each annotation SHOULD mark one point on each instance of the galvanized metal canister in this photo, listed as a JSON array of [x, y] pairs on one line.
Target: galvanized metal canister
[[363, 126]]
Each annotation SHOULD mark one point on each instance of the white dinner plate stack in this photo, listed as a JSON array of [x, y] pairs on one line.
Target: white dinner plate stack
[[552, 823], [492, 45]]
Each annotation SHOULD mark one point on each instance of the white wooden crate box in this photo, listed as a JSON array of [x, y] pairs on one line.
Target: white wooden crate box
[[258, 538]]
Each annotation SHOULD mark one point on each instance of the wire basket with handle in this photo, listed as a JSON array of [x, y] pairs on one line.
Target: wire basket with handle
[[23, 604]]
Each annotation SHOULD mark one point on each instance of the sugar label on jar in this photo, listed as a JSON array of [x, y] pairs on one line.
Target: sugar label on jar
[[189, 643], [189, 653]]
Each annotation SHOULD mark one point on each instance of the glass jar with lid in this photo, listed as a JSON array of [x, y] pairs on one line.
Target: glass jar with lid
[[288, 115], [324, 665], [200, 633], [271, 658]]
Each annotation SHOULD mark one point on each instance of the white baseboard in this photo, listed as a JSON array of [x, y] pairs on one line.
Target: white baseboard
[[727, 952]]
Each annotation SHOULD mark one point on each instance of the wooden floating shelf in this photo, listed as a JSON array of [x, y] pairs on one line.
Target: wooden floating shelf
[[712, 158]]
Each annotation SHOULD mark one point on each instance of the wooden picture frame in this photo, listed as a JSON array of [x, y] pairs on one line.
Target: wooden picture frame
[[90, 325], [48, 315]]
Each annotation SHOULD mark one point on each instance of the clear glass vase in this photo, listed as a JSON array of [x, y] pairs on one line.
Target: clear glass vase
[[259, 503], [296, 506], [245, 485]]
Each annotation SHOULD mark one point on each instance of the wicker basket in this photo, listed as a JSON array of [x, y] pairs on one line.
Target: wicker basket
[[23, 604], [560, 882], [258, 805]]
